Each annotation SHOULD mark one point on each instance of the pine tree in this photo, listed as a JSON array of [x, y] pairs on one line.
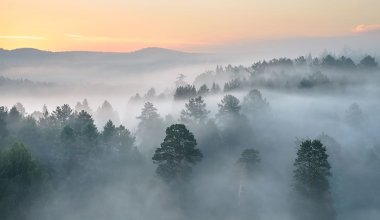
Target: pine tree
[[311, 182], [195, 111], [177, 153]]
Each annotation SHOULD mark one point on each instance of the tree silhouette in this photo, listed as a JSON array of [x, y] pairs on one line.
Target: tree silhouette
[[62, 113], [185, 92], [215, 88], [368, 62], [229, 106], [203, 90], [177, 153], [195, 111], [311, 183], [148, 127], [21, 180]]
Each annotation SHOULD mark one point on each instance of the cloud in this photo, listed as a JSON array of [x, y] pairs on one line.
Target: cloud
[[74, 35], [21, 37], [366, 28]]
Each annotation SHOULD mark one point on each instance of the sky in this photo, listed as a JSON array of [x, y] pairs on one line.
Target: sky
[[127, 25]]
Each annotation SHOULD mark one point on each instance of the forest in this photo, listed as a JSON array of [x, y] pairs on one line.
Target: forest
[[279, 139]]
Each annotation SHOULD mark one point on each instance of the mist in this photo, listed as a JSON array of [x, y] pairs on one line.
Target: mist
[[96, 158]]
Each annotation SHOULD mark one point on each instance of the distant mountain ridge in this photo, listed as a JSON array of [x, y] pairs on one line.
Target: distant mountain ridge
[[30, 62], [146, 53], [146, 50]]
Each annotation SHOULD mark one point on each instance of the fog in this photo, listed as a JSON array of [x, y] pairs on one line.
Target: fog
[[282, 102]]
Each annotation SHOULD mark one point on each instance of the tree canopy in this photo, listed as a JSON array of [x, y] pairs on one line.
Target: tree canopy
[[176, 154]]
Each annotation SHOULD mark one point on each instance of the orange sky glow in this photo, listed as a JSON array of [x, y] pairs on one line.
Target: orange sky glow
[[121, 25]]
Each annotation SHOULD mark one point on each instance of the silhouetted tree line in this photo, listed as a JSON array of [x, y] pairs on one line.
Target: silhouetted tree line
[[303, 72]]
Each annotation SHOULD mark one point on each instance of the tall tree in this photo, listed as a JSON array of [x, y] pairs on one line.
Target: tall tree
[[149, 127], [195, 111], [149, 112], [177, 153], [20, 182], [62, 114], [229, 106], [117, 140], [311, 182]]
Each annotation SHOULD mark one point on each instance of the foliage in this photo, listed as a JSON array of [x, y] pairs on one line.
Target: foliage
[[235, 84], [177, 153], [311, 183], [203, 90], [368, 62], [185, 92], [229, 106], [215, 88], [195, 111], [21, 181]]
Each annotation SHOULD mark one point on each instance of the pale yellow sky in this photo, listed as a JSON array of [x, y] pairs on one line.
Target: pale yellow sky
[[125, 25]]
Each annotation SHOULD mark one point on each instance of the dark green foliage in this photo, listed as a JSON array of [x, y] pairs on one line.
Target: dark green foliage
[[195, 111], [185, 92], [71, 152], [177, 153], [117, 140], [109, 131], [62, 113], [312, 168], [311, 182], [21, 182], [84, 126]]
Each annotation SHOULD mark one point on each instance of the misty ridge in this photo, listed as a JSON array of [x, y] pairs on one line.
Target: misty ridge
[[284, 138]]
